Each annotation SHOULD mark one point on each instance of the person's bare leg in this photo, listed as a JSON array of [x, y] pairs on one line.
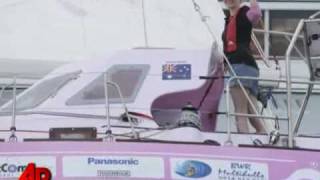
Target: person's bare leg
[[240, 106], [254, 121]]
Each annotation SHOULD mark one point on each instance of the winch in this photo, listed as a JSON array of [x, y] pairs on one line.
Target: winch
[[189, 117]]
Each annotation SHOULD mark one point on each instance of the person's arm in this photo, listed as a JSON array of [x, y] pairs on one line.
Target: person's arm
[[254, 14]]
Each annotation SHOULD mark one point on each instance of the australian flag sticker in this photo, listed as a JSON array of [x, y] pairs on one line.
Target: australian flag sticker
[[176, 72]]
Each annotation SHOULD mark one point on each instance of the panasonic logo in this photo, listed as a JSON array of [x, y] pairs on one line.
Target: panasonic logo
[[107, 161]]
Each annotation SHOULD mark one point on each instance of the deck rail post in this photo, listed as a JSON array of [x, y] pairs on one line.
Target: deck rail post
[[13, 129], [289, 81], [109, 136]]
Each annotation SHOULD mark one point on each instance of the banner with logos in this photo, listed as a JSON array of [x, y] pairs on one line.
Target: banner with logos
[[157, 161]]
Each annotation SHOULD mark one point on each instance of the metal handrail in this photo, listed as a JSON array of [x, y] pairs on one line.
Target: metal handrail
[[109, 136], [229, 114], [276, 32], [295, 47], [106, 83], [286, 35], [13, 137], [256, 116], [315, 15], [288, 78], [310, 88], [229, 140], [125, 108], [302, 110]]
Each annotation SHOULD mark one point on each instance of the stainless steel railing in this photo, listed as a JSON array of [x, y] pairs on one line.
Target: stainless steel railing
[[286, 35], [289, 81], [12, 137], [229, 114], [107, 106], [313, 16], [310, 87]]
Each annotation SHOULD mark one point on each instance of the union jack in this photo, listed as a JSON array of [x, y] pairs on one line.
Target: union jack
[[169, 68]]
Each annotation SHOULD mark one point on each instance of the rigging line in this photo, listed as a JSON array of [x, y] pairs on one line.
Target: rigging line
[[259, 48], [84, 29], [146, 41], [204, 18]]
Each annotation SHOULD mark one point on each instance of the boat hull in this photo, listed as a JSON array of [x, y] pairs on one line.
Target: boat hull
[[150, 160]]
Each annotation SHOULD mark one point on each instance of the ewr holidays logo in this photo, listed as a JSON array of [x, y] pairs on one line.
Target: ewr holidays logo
[[35, 173]]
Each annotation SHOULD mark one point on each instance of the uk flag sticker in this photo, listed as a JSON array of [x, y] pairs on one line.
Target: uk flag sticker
[[176, 72]]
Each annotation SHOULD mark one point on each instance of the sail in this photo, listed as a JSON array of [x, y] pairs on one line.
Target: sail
[[80, 29]]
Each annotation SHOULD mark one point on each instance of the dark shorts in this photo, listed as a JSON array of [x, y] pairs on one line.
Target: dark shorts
[[248, 71]]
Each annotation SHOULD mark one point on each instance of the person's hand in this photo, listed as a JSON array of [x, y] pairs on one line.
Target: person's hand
[[254, 14], [253, 2]]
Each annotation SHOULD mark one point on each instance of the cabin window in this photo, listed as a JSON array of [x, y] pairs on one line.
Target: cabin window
[[41, 91], [7, 94], [128, 77]]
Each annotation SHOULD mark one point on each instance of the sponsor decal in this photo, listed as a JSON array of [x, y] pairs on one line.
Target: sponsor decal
[[242, 170], [176, 71], [113, 166], [182, 168], [193, 169], [108, 161], [14, 166], [113, 173], [305, 174]]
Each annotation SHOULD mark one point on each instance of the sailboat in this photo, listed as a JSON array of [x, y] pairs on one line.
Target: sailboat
[[149, 102]]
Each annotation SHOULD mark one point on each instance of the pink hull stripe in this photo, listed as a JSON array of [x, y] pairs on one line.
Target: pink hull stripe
[[281, 164]]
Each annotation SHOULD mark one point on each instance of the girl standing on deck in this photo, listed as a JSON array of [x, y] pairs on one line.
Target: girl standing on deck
[[237, 39]]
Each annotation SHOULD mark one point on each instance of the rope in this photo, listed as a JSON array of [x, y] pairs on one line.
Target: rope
[[146, 40], [84, 29], [203, 18]]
